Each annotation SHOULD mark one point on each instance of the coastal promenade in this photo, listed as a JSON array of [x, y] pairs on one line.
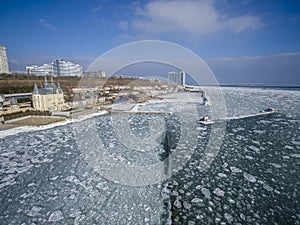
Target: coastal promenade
[[121, 107]]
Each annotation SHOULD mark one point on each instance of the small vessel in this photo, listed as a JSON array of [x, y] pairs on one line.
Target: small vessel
[[269, 110], [204, 120]]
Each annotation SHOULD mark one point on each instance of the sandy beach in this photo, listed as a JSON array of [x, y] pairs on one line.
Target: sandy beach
[[31, 121], [36, 121], [7, 126]]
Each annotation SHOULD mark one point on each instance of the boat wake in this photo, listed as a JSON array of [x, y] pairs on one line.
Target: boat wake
[[262, 113], [207, 121]]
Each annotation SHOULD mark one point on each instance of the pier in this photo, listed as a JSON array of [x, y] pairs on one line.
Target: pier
[[140, 112], [136, 110]]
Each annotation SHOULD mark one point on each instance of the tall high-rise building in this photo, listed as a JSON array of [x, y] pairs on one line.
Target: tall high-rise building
[[57, 68], [63, 68], [177, 78], [3, 60], [43, 70]]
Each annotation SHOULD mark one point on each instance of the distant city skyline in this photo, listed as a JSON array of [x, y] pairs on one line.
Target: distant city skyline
[[58, 67], [246, 41]]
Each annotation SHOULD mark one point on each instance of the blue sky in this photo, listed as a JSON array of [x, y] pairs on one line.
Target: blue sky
[[241, 40]]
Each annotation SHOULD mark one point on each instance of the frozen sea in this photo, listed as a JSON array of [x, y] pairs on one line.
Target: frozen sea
[[56, 175]]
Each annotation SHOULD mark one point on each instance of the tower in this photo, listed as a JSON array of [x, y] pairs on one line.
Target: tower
[[3, 60], [177, 78], [182, 78]]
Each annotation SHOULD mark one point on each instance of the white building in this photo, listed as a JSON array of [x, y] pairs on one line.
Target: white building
[[48, 98], [3, 60], [57, 68], [177, 78], [62, 68], [44, 70], [100, 73]]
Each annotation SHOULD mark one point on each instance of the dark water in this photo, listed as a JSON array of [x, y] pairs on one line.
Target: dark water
[[253, 180]]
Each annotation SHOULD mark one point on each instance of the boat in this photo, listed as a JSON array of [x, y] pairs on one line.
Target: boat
[[268, 110], [205, 121]]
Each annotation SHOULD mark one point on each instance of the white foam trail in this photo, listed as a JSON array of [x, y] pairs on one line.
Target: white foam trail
[[22, 129], [247, 116]]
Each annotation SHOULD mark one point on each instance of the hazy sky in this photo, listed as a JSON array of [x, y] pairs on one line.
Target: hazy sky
[[241, 40]]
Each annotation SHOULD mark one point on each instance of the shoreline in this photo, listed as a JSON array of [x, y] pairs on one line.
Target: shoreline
[[31, 121], [45, 122], [12, 129]]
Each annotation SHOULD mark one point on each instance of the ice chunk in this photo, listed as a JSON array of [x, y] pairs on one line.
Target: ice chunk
[[267, 187], [177, 203], [34, 211], [53, 178], [74, 214], [231, 200], [228, 217], [259, 131], [235, 169], [248, 157], [225, 165], [254, 148], [276, 165], [222, 175], [195, 200], [198, 187], [55, 216], [249, 177], [296, 142], [187, 205], [242, 216], [206, 192], [295, 155], [219, 192]]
